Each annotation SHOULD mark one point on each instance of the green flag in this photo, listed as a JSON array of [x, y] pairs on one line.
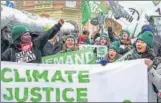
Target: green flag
[[98, 7], [86, 11]]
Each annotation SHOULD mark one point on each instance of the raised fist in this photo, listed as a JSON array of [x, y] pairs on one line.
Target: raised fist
[[61, 21]]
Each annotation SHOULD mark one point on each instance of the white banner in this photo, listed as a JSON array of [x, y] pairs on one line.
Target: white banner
[[115, 82]]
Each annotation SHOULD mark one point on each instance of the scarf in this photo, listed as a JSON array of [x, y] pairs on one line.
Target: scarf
[[26, 47]]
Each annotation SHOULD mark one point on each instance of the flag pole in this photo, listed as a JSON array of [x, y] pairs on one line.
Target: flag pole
[[132, 36]]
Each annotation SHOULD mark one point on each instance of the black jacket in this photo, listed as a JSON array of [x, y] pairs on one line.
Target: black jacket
[[34, 56], [4, 45], [50, 49]]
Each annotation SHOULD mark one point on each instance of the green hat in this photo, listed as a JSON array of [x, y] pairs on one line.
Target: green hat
[[147, 37], [70, 36], [115, 45], [105, 35], [17, 31], [122, 31]]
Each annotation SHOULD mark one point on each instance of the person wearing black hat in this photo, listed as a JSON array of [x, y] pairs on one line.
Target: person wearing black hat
[[25, 48]]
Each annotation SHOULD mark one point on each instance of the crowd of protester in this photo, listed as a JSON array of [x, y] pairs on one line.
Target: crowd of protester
[[30, 47]]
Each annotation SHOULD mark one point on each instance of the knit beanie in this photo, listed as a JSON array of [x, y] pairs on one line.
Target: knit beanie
[[116, 46], [146, 28], [17, 31], [147, 37], [105, 35], [122, 32], [71, 36]]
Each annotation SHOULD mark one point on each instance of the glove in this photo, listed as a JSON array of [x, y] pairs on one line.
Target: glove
[[103, 62]]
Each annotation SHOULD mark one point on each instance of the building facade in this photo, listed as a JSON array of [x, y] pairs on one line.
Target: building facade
[[68, 10]]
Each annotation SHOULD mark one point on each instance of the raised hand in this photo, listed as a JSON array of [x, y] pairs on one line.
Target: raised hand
[[61, 21]]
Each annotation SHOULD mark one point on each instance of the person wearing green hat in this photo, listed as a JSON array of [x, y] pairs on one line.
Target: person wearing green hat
[[104, 40], [143, 48], [70, 44], [112, 54], [125, 42], [25, 48]]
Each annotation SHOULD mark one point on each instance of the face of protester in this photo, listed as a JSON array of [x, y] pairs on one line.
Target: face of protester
[[141, 46], [69, 42], [103, 41], [26, 38], [112, 54], [125, 36], [85, 36]]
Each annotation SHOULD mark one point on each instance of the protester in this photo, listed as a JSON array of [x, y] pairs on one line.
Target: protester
[[104, 40], [142, 49], [84, 38], [70, 44], [25, 49], [125, 42], [5, 38], [52, 47], [112, 54], [112, 35], [154, 83]]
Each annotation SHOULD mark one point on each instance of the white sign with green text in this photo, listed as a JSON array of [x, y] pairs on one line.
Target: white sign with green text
[[115, 82]]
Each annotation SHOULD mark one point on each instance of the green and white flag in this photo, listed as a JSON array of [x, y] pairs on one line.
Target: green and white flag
[[98, 7], [86, 11], [92, 9], [100, 50]]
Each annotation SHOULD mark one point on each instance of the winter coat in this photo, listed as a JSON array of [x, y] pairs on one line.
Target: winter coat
[[154, 77], [111, 35], [133, 54], [5, 44], [34, 56], [125, 46], [50, 49], [82, 40]]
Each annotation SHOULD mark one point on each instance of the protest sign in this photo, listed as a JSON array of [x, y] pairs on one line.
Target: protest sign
[[75, 57], [115, 82], [100, 50]]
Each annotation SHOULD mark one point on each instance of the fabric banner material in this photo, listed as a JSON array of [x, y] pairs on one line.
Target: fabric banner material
[[115, 82], [100, 50], [84, 56]]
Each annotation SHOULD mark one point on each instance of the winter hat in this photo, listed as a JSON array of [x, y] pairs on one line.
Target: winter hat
[[122, 31], [17, 31], [115, 45], [147, 28], [105, 35], [147, 37], [70, 36]]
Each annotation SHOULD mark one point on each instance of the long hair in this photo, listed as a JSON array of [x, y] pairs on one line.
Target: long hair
[[148, 53]]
